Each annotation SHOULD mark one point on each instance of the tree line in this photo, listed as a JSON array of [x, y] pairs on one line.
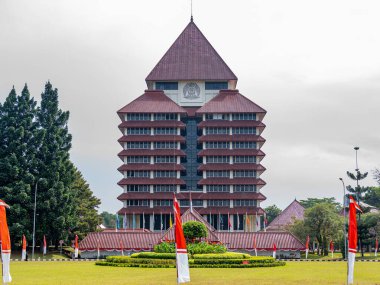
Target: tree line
[[34, 156]]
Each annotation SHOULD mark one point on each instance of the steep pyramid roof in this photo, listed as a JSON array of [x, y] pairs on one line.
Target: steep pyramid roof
[[295, 211], [192, 216], [152, 101], [191, 57], [230, 101]]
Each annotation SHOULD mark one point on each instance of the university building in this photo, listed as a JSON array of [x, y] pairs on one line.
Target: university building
[[194, 134]]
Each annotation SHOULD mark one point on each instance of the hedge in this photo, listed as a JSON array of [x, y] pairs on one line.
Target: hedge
[[227, 255], [127, 259], [251, 265], [105, 263], [154, 255], [192, 248], [231, 261]]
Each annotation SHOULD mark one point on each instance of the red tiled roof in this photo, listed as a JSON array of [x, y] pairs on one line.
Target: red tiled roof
[[192, 216], [264, 240], [151, 152], [149, 138], [111, 240], [230, 138], [224, 123], [213, 152], [152, 101], [194, 196], [152, 124], [294, 211], [147, 166], [230, 101], [228, 181], [148, 181], [191, 111], [227, 166], [191, 57]]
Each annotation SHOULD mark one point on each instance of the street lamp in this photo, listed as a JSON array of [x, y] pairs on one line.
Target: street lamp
[[34, 216], [344, 216]]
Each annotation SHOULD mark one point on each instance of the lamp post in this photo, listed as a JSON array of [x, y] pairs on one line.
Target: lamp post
[[34, 216], [344, 217]]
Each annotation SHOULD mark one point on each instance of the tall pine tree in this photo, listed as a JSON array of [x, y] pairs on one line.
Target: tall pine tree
[[55, 203], [20, 140]]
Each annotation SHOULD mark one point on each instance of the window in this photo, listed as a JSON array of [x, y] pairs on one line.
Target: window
[[164, 188], [217, 173], [216, 131], [244, 116], [137, 174], [216, 85], [186, 203], [244, 173], [244, 159], [138, 117], [244, 188], [164, 159], [217, 116], [246, 145], [137, 202], [166, 85], [165, 145], [165, 116], [163, 203], [217, 145], [165, 173], [244, 131], [138, 188], [138, 131], [138, 159], [217, 159], [165, 131], [138, 145], [218, 188], [244, 203], [218, 203]]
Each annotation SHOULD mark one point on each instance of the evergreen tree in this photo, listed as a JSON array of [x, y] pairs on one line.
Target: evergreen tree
[[55, 201], [108, 220], [20, 140], [85, 218]]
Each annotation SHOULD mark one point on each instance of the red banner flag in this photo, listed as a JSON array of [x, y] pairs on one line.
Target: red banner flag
[[44, 248], [274, 250], [183, 272], [307, 246], [376, 246], [352, 238], [254, 245], [76, 248], [23, 252], [5, 242]]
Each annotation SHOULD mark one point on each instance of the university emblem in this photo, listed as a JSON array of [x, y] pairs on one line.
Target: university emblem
[[191, 91]]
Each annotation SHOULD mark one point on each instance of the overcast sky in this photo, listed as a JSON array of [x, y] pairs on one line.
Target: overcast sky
[[313, 65]]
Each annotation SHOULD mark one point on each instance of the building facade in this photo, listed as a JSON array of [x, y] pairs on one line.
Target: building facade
[[194, 134]]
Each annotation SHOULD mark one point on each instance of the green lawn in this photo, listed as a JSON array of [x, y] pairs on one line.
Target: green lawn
[[86, 273]]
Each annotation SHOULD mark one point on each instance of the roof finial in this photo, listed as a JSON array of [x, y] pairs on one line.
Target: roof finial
[[191, 10]]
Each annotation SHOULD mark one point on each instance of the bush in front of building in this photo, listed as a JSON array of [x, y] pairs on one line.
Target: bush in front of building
[[192, 248], [193, 230], [154, 255], [226, 255]]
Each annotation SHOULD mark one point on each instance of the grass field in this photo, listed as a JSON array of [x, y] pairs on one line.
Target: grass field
[[86, 273]]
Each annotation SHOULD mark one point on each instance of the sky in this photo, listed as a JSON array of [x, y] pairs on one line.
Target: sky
[[313, 65]]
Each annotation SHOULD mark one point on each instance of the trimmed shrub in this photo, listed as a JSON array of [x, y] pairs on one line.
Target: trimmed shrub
[[227, 255], [204, 247], [154, 255], [127, 259], [192, 248], [193, 230], [165, 247], [232, 261]]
